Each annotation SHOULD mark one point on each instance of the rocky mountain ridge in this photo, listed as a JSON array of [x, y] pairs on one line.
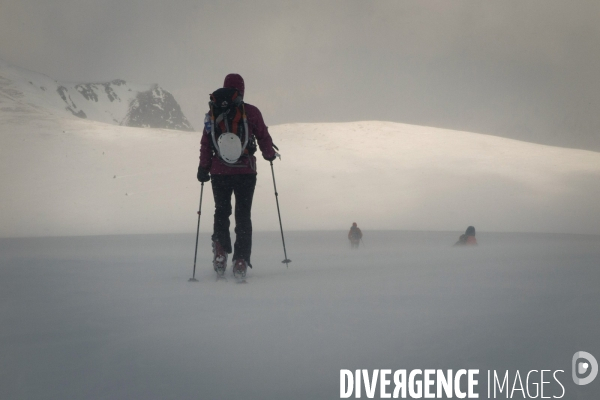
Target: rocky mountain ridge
[[115, 102]]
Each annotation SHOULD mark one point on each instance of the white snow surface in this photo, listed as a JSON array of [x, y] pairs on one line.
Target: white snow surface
[[114, 317], [70, 177]]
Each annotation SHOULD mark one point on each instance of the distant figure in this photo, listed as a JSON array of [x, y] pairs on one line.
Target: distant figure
[[355, 235], [468, 239]]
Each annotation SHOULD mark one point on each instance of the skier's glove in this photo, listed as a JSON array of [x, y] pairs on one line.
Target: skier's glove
[[203, 175], [274, 157]]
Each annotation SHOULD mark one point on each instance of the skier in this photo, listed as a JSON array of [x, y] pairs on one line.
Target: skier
[[355, 236], [468, 238], [227, 152]]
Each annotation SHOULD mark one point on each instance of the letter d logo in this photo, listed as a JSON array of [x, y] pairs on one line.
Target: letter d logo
[[582, 367]]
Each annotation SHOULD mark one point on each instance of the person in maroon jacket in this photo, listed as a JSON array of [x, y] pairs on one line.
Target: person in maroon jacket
[[238, 179], [468, 238]]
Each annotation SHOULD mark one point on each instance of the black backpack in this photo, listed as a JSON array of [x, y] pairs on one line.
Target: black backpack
[[228, 123]]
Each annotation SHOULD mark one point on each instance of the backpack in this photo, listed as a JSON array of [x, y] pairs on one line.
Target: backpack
[[229, 126]]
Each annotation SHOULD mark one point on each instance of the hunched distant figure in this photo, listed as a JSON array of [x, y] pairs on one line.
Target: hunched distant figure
[[468, 238]]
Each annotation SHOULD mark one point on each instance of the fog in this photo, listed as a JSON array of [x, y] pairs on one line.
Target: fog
[[524, 70]]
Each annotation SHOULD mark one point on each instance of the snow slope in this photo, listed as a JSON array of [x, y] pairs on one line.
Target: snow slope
[[388, 175], [70, 176], [115, 102]]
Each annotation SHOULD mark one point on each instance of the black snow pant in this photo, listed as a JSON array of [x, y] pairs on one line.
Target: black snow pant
[[242, 186]]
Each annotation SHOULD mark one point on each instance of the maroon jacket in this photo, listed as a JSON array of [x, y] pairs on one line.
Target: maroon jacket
[[210, 161]]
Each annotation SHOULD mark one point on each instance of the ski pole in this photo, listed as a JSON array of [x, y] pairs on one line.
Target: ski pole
[[286, 261], [193, 278]]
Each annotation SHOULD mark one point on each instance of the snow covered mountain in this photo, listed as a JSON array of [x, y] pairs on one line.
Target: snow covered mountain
[[72, 176], [115, 102]]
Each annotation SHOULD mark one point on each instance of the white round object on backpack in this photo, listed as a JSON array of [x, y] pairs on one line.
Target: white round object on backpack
[[230, 147]]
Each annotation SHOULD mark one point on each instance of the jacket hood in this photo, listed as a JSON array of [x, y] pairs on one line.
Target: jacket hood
[[234, 81]]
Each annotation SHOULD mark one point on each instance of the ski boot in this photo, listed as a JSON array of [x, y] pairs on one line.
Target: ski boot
[[219, 258], [239, 269]]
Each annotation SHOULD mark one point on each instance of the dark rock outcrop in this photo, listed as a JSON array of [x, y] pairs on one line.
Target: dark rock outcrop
[[153, 108], [156, 108], [71, 106]]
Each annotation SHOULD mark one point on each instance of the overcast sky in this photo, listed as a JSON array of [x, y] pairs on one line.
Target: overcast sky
[[521, 69]]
